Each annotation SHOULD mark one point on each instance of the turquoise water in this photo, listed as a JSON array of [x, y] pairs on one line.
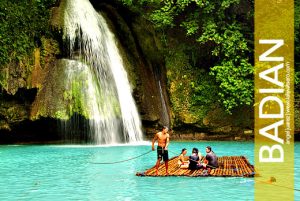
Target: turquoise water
[[51, 172]]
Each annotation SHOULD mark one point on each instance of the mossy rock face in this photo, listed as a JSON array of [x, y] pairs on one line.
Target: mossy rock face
[[48, 100], [14, 112], [49, 50], [65, 90], [20, 78], [22, 27], [53, 99], [16, 74], [11, 112], [28, 72], [194, 96], [191, 90], [148, 40], [221, 122]]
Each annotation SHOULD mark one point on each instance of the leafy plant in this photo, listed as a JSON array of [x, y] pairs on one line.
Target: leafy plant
[[225, 28], [22, 24]]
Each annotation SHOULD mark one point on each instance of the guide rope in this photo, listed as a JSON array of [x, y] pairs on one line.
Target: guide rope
[[287, 187], [129, 159]]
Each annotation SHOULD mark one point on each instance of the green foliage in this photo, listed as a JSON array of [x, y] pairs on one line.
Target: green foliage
[[192, 91], [236, 89], [21, 23], [223, 26], [234, 71], [297, 81], [49, 48], [204, 91], [75, 99]]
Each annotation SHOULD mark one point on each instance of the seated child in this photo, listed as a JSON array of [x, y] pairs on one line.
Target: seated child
[[181, 162]]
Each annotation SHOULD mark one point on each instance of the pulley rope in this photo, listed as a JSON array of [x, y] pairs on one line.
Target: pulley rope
[[129, 159]]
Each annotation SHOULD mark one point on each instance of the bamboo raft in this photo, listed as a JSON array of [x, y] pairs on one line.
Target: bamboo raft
[[229, 166]]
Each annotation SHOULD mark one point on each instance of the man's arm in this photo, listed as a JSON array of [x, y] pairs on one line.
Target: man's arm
[[153, 141], [167, 142]]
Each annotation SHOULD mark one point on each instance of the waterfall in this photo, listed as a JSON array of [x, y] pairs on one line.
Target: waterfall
[[105, 94], [164, 112]]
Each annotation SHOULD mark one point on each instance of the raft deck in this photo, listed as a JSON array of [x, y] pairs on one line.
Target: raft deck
[[229, 166]]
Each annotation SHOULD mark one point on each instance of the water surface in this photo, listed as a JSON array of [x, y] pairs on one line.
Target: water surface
[[69, 172]]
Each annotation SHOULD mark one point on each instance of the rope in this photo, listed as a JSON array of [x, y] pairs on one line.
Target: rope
[[173, 152], [295, 189], [107, 163], [291, 188]]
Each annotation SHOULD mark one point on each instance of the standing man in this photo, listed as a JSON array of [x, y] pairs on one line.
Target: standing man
[[162, 147]]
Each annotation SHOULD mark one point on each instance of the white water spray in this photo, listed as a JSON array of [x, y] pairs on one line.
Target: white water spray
[[108, 101]]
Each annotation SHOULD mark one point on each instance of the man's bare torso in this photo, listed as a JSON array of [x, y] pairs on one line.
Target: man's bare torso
[[162, 139]]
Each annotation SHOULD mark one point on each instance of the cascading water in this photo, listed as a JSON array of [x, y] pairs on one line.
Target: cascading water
[[164, 112], [106, 99]]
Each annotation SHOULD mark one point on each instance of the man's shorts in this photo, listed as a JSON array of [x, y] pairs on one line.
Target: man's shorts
[[162, 154]]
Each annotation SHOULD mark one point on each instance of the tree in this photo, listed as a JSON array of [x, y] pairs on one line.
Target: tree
[[226, 26]]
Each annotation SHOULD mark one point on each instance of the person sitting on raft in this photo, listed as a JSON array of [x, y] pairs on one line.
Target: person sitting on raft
[[195, 160], [182, 163], [211, 158]]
